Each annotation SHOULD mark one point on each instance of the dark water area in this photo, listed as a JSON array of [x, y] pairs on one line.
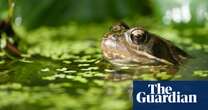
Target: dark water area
[[80, 78]]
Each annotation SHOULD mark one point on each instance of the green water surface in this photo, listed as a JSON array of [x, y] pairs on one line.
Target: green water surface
[[63, 68]]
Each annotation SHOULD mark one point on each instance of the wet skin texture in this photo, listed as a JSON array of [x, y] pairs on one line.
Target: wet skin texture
[[125, 45]]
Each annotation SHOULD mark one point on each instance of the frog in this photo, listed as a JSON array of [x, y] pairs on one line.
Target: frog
[[137, 47]]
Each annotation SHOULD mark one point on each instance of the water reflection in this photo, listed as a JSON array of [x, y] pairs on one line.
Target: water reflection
[[80, 78], [194, 69], [42, 71], [198, 62]]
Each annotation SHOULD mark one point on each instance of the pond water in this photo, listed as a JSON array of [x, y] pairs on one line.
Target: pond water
[[59, 73]]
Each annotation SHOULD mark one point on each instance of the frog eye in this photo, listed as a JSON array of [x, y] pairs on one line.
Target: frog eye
[[138, 36]]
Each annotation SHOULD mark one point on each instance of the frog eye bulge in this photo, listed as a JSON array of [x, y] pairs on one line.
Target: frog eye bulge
[[119, 26], [138, 36]]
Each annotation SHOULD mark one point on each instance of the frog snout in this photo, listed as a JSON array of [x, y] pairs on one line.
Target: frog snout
[[109, 42]]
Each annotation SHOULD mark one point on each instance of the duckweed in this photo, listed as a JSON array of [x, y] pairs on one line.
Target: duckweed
[[67, 70]]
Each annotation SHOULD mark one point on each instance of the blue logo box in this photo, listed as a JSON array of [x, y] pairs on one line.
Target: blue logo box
[[170, 95]]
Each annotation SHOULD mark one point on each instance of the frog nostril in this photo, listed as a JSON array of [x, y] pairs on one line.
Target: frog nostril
[[113, 38]]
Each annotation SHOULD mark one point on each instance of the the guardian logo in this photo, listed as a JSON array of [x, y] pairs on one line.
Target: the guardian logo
[[164, 94]]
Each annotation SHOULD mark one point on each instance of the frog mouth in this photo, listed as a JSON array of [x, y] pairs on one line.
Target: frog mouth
[[153, 58], [118, 50]]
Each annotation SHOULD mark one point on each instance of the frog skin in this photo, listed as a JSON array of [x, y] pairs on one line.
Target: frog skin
[[136, 46]]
